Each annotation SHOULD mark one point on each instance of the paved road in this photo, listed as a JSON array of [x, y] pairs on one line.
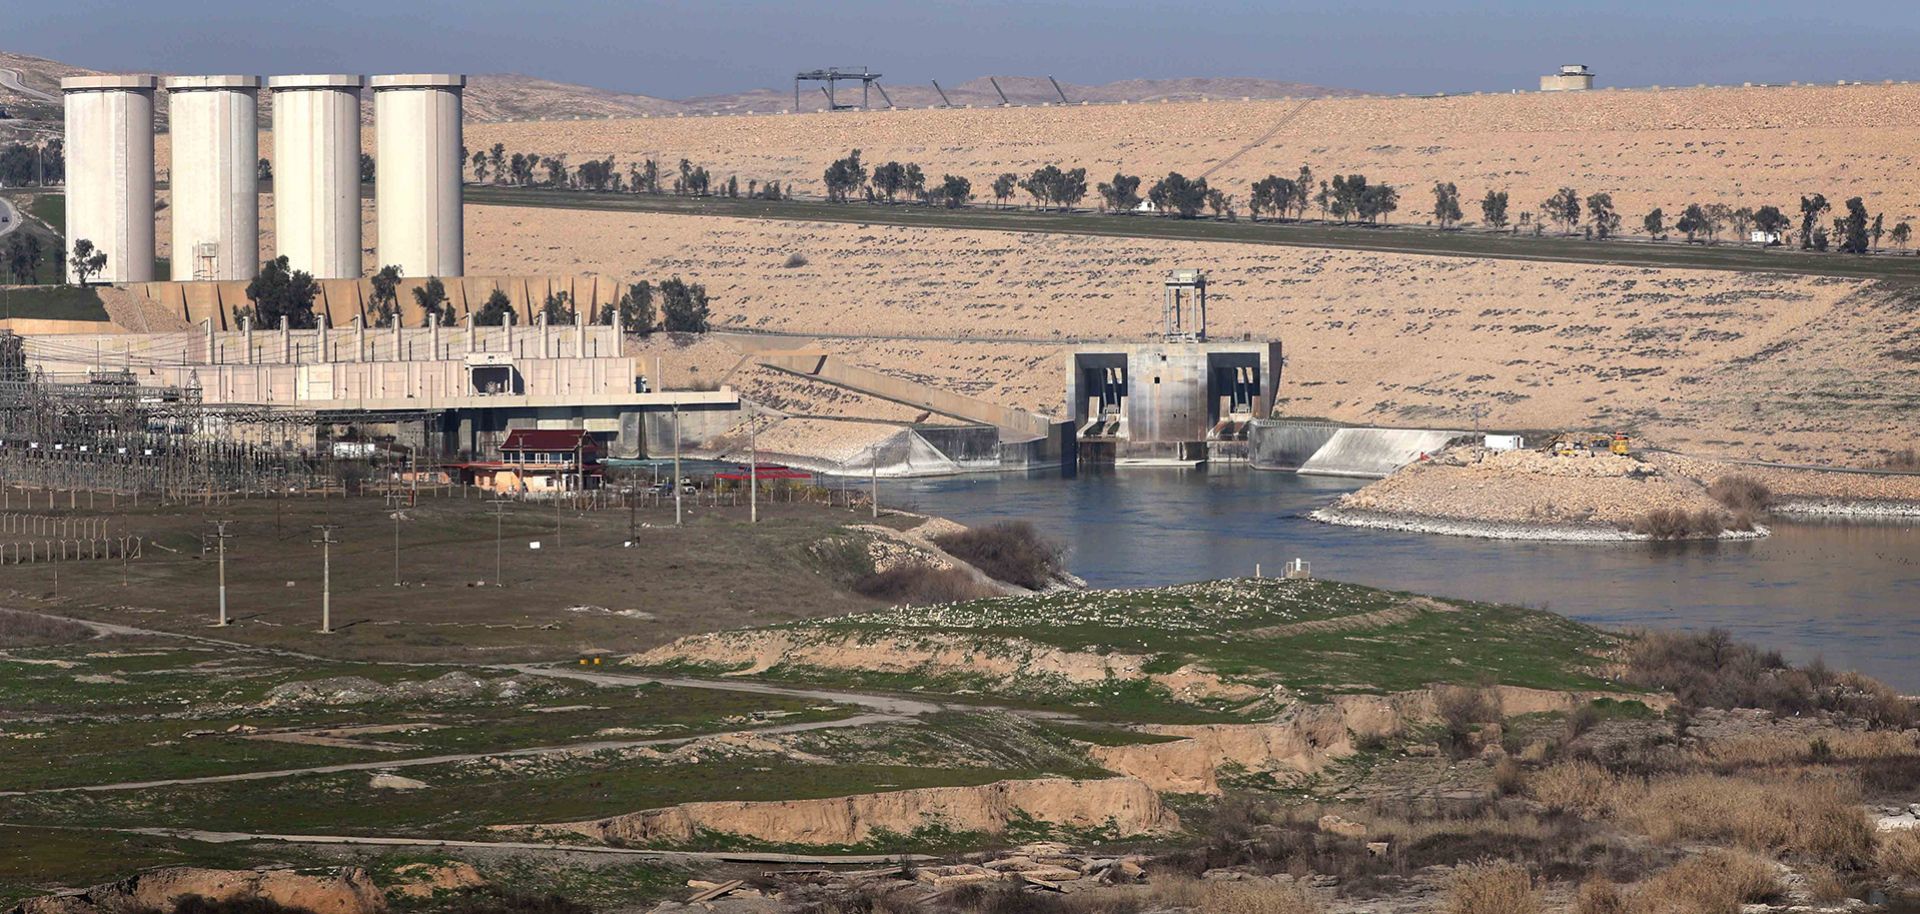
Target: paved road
[[9, 217], [11, 80]]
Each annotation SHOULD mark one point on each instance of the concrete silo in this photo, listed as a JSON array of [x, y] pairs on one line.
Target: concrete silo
[[417, 137], [215, 179], [316, 172], [109, 136]]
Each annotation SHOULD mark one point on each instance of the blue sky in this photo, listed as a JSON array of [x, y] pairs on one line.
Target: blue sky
[[678, 49]]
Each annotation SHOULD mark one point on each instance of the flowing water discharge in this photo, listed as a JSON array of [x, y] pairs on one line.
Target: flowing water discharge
[[1845, 593]]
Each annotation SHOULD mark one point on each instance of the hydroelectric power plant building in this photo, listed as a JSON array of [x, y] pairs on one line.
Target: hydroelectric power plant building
[[444, 385]]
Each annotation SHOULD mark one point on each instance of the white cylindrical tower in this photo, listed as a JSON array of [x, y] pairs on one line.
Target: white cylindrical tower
[[416, 196], [215, 134], [110, 172], [316, 172]]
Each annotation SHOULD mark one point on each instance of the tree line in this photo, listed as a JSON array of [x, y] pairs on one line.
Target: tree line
[[27, 165], [281, 296], [496, 166]]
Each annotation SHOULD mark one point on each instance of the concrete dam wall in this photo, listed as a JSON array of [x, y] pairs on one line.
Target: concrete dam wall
[[1323, 449]]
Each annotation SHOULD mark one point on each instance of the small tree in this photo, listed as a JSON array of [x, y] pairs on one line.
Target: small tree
[[1600, 214], [1854, 237], [1563, 207], [263, 170], [385, 300], [1742, 220], [1718, 215], [1875, 230], [1121, 195], [955, 191], [479, 161], [87, 261], [1771, 222], [843, 177], [636, 308], [366, 169], [1219, 203], [496, 311], [496, 157], [1176, 195], [1272, 194], [1446, 205], [1901, 232], [281, 297], [1493, 209], [1692, 221], [431, 296], [684, 305], [558, 309], [1656, 224], [888, 179], [1003, 188], [914, 182], [1811, 208]]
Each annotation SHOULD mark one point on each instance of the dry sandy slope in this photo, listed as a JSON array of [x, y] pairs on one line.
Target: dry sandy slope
[[1814, 369], [1648, 148]]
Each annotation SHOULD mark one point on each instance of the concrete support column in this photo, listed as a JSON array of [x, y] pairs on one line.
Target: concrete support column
[[215, 137], [109, 139], [316, 172], [417, 197]]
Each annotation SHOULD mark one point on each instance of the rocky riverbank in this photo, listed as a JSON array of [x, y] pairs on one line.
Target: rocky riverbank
[[1499, 530]]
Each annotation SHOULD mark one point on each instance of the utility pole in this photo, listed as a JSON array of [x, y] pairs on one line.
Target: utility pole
[[753, 471], [220, 536], [499, 508], [676, 464], [326, 542], [873, 467], [394, 500]]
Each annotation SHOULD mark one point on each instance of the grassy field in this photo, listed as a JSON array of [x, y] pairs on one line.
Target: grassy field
[[1397, 239], [52, 302], [1310, 638], [716, 571]]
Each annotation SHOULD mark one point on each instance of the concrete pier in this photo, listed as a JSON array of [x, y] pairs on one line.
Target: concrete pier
[[109, 124], [316, 172], [215, 185], [417, 191]]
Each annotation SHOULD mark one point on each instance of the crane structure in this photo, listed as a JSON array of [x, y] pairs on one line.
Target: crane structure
[[832, 77]]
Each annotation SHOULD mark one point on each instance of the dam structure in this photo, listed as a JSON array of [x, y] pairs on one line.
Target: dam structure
[[316, 172], [1179, 400]]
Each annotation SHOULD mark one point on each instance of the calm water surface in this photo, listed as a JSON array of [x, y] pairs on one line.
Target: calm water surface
[[1847, 593]]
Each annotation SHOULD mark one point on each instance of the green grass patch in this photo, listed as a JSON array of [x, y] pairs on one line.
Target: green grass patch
[[62, 303], [35, 861]]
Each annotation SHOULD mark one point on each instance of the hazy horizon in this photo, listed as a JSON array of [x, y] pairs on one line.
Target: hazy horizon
[[677, 49]]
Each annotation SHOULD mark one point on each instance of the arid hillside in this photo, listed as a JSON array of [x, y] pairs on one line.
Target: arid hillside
[[1648, 148], [1822, 370]]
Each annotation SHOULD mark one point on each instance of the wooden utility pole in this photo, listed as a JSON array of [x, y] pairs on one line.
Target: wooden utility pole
[[753, 472], [326, 542], [676, 464]]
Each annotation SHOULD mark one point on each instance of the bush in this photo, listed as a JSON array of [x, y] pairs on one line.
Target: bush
[[1492, 888], [1678, 524], [920, 585], [1817, 818], [1716, 882], [1011, 551], [796, 260], [1579, 787], [1898, 854], [18, 629], [1741, 494], [1256, 898], [1599, 896], [1711, 670]]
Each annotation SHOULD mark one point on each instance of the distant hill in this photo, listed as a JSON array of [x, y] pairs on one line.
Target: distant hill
[[499, 97]]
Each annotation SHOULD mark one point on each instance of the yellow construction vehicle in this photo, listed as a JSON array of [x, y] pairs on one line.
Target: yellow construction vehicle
[[1620, 444]]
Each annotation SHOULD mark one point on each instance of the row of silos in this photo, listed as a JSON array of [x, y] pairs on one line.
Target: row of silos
[[316, 183]]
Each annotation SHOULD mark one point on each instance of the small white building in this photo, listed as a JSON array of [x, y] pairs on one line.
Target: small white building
[[1505, 443], [1767, 238], [1572, 77]]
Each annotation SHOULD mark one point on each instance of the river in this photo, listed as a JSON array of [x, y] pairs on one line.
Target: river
[[1845, 593]]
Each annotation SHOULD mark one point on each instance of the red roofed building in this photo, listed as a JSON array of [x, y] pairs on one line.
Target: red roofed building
[[540, 460]]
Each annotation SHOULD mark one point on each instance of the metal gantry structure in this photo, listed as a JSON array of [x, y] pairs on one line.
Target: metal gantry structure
[[834, 75]]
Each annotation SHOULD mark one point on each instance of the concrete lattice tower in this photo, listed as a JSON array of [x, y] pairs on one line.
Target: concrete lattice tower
[[316, 172], [417, 196], [109, 128], [215, 178]]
